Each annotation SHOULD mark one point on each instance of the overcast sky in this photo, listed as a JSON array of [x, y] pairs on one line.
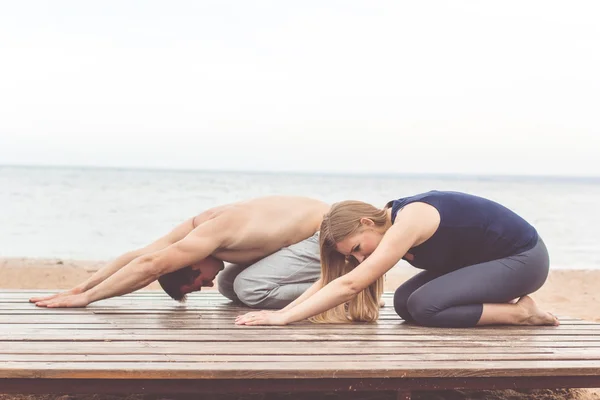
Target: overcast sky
[[499, 87]]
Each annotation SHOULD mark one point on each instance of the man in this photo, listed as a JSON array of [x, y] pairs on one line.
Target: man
[[271, 242]]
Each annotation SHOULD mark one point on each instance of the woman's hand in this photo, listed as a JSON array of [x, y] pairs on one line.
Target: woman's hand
[[66, 293], [262, 318], [72, 301]]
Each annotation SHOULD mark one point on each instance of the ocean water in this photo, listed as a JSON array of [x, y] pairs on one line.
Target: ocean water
[[97, 214]]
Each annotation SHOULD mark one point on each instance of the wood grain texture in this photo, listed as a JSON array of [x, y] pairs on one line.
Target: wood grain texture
[[147, 336]]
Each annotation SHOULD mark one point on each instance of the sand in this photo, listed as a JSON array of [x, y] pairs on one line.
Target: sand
[[574, 293]]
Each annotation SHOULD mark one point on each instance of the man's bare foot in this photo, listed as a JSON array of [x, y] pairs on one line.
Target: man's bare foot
[[534, 315]]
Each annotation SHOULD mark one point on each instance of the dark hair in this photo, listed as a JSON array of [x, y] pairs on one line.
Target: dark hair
[[173, 281]]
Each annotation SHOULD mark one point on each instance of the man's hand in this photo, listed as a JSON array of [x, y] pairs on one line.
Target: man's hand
[[72, 301], [57, 295], [262, 318]]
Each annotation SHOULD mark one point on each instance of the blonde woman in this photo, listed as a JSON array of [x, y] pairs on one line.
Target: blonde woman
[[477, 257]]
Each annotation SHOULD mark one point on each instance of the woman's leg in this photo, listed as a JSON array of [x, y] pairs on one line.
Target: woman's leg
[[407, 288], [479, 294]]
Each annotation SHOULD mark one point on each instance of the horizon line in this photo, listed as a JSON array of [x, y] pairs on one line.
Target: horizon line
[[312, 173]]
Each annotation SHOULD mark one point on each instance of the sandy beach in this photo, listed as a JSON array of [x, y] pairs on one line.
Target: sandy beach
[[574, 293]]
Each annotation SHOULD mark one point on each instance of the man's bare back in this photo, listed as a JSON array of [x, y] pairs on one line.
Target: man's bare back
[[238, 232], [259, 227]]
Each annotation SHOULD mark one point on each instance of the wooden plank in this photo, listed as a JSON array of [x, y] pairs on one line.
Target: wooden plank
[[225, 329], [193, 387], [151, 308], [167, 321], [199, 328], [139, 293], [142, 295], [174, 313], [205, 294], [31, 319], [362, 341], [84, 358], [7, 327], [148, 337], [290, 336], [275, 348], [226, 320], [120, 308], [299, 370]]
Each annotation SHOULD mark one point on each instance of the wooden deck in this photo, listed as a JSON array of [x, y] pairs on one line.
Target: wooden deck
[[147, 343]]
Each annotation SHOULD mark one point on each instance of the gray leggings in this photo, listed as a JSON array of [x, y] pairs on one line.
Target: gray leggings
[[455, 299], [276, 280]]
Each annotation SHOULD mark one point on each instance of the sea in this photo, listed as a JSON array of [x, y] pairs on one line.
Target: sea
[[99, 213]]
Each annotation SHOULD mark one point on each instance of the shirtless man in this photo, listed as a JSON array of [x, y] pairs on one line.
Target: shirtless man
[[271, 241]]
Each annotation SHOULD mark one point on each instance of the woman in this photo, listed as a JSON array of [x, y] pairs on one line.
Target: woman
[[477, 256]]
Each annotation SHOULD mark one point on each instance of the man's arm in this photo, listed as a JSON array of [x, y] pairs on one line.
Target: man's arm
[[143, 270], [178, 233]]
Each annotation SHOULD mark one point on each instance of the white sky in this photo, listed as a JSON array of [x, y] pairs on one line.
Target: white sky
[[500, 87]]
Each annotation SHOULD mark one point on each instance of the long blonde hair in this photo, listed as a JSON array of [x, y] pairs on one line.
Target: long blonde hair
[[343, 220]]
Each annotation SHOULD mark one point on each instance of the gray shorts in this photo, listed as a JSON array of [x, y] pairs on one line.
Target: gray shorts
[[276, 280]]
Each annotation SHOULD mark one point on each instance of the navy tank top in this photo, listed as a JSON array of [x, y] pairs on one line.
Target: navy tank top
[[472, 230]]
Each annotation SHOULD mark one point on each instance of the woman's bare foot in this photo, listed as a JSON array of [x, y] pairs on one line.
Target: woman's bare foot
[[534, 315], [381, 303]]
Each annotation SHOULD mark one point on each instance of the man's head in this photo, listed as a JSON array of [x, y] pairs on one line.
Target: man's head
[[191, 278]]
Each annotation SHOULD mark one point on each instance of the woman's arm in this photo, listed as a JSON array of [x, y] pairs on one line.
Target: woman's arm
[[307, 293], [315, 287], [409, 228]]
